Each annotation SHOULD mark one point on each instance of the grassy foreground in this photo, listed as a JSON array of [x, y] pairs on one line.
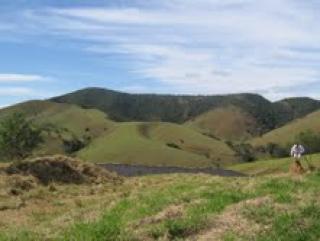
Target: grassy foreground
[[167, 207]]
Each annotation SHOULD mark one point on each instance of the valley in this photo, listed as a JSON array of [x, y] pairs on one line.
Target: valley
[[100, 173], [204, 131]]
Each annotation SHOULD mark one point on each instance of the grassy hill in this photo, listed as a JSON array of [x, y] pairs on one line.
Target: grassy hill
[[229, 123], [162, 207], [292, 108], [178, 109], [287, 133], [158, 144], [136, 143], [70, 121], [71, 117], [196, 135]]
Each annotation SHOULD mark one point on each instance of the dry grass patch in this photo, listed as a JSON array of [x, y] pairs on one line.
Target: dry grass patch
[[232, 220], [48, 194], [170, 212], [62, 169]]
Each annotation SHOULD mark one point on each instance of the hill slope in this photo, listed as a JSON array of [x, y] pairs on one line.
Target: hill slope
[[72, 117], [107, 141], [287, 133], [292, 108], [178, 109], [69, 121], [229, 123], [157, 144]]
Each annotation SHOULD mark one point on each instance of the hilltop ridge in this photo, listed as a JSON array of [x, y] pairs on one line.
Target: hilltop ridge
[[122, 106]]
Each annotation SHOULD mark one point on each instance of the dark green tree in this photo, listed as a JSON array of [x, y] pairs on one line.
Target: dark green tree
[[18, 137]]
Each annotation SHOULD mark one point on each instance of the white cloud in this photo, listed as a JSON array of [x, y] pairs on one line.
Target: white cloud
[[203, 46], [16, 91], [20, 78]]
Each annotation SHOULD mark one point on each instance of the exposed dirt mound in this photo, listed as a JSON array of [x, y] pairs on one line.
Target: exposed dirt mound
[[62, 169], [297, 168]]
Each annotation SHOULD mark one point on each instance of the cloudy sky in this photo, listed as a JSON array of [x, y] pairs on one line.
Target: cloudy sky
[[49, 47]]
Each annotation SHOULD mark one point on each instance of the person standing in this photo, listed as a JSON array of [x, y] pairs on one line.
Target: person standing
[[296, 152]]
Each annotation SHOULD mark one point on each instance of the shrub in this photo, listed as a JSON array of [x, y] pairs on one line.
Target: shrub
[[244, 151], [73, 145], [18, 137], [276, 150]]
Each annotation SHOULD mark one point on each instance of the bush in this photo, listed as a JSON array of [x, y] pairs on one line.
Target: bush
[[276, 150], [310, 140], [244, 151], [73, 145], [18, 137]]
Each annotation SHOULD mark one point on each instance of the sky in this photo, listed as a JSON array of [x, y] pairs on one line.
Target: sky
[[207, 47]]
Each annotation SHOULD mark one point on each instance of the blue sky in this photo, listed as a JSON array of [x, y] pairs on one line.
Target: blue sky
[[51, 47]]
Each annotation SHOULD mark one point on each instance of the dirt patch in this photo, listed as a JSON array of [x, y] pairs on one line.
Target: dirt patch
[[61, 169], [171, 212], [233, 220], [297, 168]]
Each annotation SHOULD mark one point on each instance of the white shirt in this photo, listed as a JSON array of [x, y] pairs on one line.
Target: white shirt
[[297, 150]]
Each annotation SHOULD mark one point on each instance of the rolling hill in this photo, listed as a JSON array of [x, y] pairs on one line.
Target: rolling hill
[[106, 126], [287, 133], [292, 108], [179, 109], [68, 122], [110, 142], [229, 123], [71, 117], [157, 144], [168, 108]]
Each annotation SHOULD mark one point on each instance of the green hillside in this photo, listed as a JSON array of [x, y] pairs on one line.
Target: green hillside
[[108, 141], [149, 144], [70, 121], [287, 133], [293, 108], [179, 109], [204, 125], [72, 117], [229, 123]]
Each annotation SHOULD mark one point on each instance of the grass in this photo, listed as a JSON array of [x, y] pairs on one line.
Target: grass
[[189, 140], [170, 207], [134, 143], [146, 144], [73, 120], [299, 220], [274, 166], [236, 125]]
